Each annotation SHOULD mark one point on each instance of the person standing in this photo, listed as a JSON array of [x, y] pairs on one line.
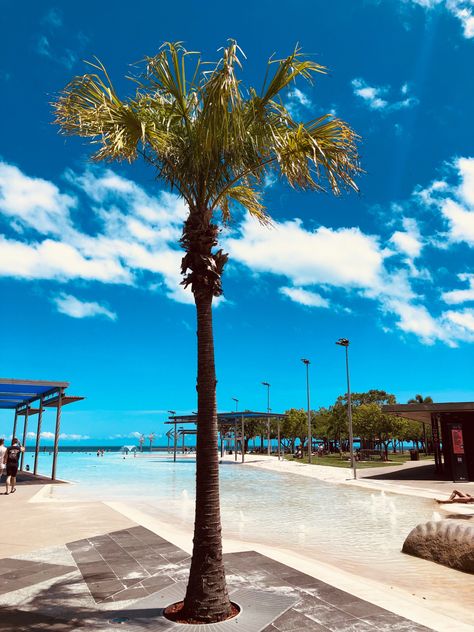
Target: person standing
[[12, 457], [3, 452]]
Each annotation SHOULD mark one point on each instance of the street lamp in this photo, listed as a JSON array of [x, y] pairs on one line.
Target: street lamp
[[235, 427], [268, 418], [310, 438], [344, 342]]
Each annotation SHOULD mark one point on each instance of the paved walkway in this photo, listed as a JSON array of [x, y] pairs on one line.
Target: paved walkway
[[105, 578]]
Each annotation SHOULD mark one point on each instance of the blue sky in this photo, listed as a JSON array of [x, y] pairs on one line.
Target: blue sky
[[89, 262]]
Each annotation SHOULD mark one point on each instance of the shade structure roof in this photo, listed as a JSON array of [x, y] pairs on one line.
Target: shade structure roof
[[422, 412], [15, 393], [227, 418]]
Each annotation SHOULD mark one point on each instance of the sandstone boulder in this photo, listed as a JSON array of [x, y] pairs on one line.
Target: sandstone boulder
[[449, 542]]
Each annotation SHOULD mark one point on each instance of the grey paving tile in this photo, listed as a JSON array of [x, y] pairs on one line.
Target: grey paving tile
[[292, 620], [353, 625], [362, 609], [388, 621]]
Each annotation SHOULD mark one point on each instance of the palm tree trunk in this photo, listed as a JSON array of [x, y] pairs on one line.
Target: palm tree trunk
[[206, 598]]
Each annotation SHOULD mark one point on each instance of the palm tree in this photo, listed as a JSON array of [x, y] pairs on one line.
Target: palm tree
[[151, 438], [419, 399], [141, 441], [214, 143]]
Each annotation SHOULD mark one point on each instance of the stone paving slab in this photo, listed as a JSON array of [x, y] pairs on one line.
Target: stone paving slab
[[125, 564]]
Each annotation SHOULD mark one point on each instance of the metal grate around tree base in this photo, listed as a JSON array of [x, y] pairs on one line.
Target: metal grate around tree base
[[258, 610]]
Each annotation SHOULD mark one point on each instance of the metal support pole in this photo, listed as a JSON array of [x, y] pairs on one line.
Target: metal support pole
[[269, 447], [242, 441], [175, 447], [235, 440], [279, 439], [38, 434], [221, 434], [310, 438], [182, 446], [14, 423], [349, 413], [25, 430], [56, 433]]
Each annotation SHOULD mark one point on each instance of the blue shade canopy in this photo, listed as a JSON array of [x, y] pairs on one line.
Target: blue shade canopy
[[16, 393]]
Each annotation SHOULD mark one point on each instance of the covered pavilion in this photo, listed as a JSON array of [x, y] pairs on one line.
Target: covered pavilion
[[22, 395], [233, 422], [452, 429]]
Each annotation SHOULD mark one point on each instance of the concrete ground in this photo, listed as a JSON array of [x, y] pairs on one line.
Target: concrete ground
[[120, 580], [41, 533]]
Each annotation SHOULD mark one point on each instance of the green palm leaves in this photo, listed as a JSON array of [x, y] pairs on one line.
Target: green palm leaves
[[208, 136]]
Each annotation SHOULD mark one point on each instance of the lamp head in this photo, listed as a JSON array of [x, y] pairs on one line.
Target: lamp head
[[305, 361], [265, 384], [172, 412], [342, 342]]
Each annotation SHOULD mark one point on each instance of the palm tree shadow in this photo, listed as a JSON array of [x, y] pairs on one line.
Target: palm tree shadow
[[62, 607]]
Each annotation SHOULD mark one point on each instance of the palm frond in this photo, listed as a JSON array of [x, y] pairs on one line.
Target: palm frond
[[206, 135]]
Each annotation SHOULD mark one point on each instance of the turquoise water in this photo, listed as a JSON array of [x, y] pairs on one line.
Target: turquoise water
[[257, 504]]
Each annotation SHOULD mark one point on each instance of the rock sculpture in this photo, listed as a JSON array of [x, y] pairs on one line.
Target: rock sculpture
[[449, 542]]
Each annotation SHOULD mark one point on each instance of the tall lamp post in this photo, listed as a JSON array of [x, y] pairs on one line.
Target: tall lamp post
[[344, 342], [235, 427], [269, 448], [306, 362]]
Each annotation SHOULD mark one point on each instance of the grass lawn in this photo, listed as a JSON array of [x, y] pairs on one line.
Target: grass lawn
[[335, 460]]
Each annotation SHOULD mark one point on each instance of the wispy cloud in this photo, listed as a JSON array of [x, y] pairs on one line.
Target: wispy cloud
[[48, 42], [304, 297], [63, 435], [455, 297], [376, 97], [53, 18], [297, 102], [463, 10], [72, 306]]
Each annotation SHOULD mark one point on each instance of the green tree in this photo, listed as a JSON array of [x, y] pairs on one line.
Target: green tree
[[214, 142]]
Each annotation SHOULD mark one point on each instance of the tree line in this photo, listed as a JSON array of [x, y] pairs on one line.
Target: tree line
[[373, 428]]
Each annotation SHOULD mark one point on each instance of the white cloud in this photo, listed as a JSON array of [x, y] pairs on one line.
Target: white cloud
[[463, 10], [343, 257], [50, 435], [375, 97], [72, 306], [135, 232], [371, 95], [297, 102], [454, 200], [73, 437], [304, 297], [409, 240], [455, 297], [33, 203]]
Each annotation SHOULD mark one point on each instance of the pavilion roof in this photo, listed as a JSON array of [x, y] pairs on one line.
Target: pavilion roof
[[422, 412], [226, 418], [15, 393]]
